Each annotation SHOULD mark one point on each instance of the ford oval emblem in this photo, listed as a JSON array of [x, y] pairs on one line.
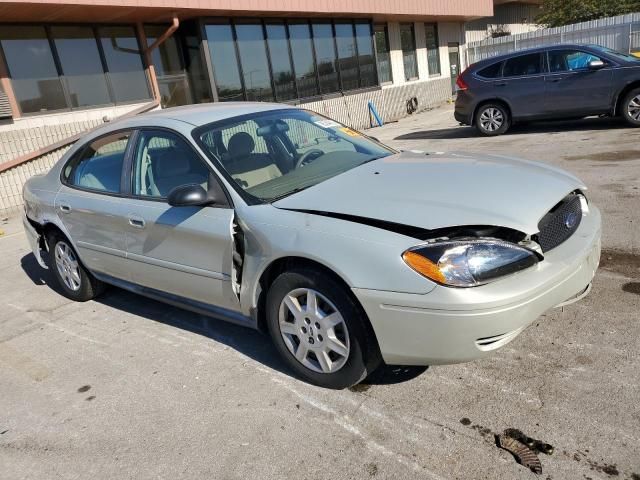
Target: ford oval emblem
[[570, 220]]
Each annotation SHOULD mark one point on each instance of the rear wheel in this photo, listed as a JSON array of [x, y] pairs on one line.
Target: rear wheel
[[631, 107], [492, 119], [319, 330], [76, 281]]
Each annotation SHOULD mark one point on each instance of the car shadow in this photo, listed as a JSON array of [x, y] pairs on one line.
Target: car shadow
[[255, 345], [556, 126]]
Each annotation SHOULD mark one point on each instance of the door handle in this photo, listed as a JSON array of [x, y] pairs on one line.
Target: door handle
[[136, 222], [65, 208], [555, 79], [501, 84]]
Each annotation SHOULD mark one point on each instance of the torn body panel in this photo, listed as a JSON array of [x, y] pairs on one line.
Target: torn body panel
[[237, 256], [36, 241]]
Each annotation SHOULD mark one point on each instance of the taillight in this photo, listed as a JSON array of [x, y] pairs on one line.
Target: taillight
[[460, 83]]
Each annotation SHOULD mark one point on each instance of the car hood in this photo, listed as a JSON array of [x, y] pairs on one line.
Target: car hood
[[438, 190]]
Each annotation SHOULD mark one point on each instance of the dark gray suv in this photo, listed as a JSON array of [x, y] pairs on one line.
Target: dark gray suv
[[562, 81]]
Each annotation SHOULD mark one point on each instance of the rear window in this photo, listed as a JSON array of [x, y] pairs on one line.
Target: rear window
[[529, 64], [492, 71]]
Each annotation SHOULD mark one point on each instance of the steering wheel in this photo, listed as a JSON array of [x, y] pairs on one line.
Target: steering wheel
[[309, 157]]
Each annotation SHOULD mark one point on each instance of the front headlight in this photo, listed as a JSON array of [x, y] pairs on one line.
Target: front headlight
[[468, 263]]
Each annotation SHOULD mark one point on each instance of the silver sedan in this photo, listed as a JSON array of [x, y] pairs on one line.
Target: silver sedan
[[346, 252]]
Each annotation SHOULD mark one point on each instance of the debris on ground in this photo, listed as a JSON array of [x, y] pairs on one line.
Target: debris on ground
[[532, 443], [524, 455]]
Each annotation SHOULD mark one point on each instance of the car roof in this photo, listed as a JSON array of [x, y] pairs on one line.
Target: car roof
[[204, 113], [505, 56]]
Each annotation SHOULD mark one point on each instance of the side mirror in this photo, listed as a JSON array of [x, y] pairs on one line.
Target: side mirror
[[596, 64], [192, 195]]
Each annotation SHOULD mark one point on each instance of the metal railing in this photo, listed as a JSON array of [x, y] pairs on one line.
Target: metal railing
[[620, 33]]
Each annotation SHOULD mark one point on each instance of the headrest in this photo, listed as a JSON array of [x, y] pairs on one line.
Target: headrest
[[170, 162], [241, 144]]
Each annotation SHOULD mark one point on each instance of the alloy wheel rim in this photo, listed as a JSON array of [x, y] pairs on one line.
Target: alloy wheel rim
[[634, 108], [491, 119], [67, 265], [314, 331]]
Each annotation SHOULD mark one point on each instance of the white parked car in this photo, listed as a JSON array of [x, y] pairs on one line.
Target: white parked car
[[347, 252]]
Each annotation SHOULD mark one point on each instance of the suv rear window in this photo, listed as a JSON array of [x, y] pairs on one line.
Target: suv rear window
[[492, 71], [522, 65]]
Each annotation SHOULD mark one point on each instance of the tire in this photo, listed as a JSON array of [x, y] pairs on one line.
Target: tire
[[492, 119], [356, 353], [74, 279], [631, 107]]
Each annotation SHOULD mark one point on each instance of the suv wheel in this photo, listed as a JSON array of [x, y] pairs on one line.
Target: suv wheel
[[319, 330], [631, 107], [76, 281], [492, 119]]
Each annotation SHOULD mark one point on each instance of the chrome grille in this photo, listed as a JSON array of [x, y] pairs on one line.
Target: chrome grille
[[560, 223]]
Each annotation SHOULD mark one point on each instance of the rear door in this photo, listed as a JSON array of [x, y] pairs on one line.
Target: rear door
[[91, 204], [572, 88], [522, 85], [185, 251]]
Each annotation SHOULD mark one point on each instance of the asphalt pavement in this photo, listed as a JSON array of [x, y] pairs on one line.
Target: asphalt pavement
[[126, 387]]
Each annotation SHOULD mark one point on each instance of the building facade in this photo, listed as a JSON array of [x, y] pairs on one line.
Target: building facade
[[68, 65], [510, 17]]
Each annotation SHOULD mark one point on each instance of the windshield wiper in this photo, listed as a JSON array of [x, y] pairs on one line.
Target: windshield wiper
[[284, 195]]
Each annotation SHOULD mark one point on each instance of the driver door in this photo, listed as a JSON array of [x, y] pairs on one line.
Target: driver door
[[572, 88], [184, 251]]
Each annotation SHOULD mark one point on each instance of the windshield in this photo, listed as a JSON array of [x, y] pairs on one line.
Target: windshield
[[614, 53], [273, 154]]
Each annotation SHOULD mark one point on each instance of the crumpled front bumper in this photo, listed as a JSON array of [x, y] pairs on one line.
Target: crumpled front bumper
[[452, 325]]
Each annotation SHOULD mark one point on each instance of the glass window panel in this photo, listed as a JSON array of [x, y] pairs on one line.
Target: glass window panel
[[283, 77], [163, 161], [347, 56], [166, 57], [492, 71], [408, 43], [433, 52], [382, 52], [124, 62], [100, 167], [33, 73], [174, 91], [325, 57], [196, 69], [302, 52], [81, 65], [364, 39], [569, 60], [253, 58], [523, 65], [225, 63]]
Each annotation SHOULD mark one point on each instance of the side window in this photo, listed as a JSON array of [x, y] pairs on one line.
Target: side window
[[569, 60], [492, 71], [164, 161], [529, 64], [99, 166]]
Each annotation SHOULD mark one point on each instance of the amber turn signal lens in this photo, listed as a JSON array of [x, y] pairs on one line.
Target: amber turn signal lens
[[424, 266]]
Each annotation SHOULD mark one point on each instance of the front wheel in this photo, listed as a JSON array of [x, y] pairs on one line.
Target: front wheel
[[492, 119], [631, 107], [319, 329]]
